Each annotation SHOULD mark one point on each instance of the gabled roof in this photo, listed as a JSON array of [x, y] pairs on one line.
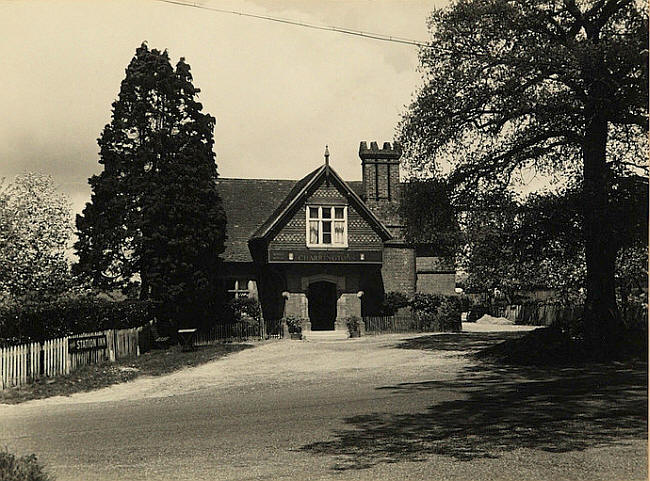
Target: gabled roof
[[248, 203], [282, 206], [303, 188]]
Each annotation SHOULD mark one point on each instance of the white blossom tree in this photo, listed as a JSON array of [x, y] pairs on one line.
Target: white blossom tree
[[35, 231]]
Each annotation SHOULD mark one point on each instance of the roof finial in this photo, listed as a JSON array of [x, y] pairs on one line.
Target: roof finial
[[327, 156]]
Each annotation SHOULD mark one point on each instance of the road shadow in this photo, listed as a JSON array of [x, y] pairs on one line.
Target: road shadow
[[504, 408], [459, 341]]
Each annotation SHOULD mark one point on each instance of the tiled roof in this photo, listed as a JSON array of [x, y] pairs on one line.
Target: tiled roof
[[297, 187], [249, 203]]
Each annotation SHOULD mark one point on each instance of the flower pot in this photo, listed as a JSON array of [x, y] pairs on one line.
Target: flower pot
[[295, 336]]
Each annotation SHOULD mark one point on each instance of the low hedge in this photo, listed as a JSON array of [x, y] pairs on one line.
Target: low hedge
[[39, 321]]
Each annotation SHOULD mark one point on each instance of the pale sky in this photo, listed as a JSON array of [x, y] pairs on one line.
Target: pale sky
[[279, 92]]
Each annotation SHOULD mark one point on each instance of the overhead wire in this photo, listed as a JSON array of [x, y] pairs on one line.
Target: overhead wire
[[346, 31]]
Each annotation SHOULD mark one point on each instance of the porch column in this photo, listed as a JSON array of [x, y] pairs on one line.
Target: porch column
[[296, 305], [348, 305]]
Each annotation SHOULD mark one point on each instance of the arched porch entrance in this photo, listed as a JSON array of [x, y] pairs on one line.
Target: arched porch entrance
[[322, 297]]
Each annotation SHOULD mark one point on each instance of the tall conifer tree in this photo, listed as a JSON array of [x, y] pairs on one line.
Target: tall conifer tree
[[155, 216]]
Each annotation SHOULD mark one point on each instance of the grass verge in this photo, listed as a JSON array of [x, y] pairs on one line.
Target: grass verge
[[88, 378]]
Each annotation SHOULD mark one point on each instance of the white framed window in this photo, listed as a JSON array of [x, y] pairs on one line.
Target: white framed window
[[327, 226], [240, 288]]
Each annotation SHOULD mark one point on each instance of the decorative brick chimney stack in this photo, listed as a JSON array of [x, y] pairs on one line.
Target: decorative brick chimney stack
[[381, 186]]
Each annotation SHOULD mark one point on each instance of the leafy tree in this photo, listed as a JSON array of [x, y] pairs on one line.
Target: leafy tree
[[35, 230], [490, 253], [155, 216], [549, 85], [537, 243], [429, 218]]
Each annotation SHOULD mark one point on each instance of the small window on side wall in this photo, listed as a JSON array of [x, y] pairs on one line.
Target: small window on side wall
[[240, 288]]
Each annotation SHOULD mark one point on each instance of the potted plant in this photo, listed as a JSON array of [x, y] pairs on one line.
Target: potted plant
[[294, 326], [354, 326]]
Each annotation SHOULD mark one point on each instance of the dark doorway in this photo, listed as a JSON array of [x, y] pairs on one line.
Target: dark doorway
[[322, 305]]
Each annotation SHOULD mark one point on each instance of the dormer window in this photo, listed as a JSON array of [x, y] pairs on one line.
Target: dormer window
[[327, 226]]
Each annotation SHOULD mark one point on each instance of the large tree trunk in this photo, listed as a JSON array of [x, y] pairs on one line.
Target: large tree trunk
[[602, 326]]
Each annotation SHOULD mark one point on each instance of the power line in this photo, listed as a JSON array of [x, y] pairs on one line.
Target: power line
[[358, 33]]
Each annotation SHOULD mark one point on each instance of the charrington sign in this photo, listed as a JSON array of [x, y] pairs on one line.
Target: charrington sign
[[338, 256]]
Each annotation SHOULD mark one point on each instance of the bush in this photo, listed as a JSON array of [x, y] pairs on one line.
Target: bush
[[294, 324], [634, 310], [354, 324], [393, 301], [39, 321], [437, 312], [448, 315], [245, 305], [426, 303], [25, 468], [246, 310]]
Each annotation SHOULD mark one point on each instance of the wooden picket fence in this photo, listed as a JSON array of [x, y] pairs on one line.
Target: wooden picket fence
[[409, 323], [391, 324], [237, 331], [28, 362], [547, 314]]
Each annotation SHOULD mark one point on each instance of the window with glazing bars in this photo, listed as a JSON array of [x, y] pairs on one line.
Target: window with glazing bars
[[327, 226]]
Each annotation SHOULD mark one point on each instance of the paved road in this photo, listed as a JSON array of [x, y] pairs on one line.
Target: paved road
[[385, 407]]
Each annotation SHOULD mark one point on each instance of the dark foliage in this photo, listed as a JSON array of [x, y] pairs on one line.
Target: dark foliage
[[354, 324], [249, 306], [241, 309], [429, 217], [514, 85], [393, 301], [155, 216], [25, 468], [538, 243], [294, 324], [39, 321], [437, 312]]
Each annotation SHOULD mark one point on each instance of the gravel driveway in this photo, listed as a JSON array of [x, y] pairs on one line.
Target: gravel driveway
[[379, 407]]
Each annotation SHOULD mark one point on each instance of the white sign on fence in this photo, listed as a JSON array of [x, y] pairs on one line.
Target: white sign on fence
[[27, 362]]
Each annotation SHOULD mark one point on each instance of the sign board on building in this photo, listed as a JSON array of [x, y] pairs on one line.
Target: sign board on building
[[87, 343], [318, 256]]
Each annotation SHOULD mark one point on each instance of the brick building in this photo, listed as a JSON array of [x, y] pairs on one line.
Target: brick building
[[324, 249]]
